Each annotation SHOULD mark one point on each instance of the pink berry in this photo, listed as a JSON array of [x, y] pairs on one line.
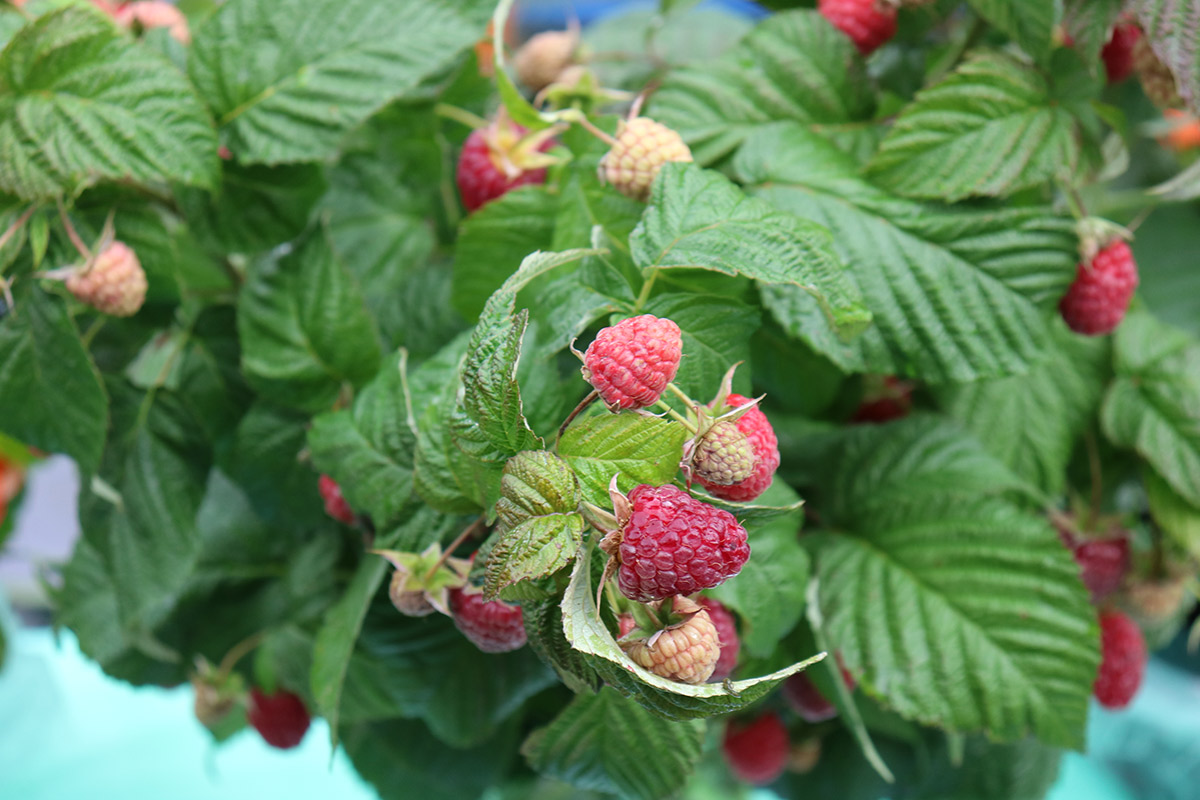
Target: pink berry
[[335, 505], [493, 626], [1103, 563], [1122, 660], [757, 429], [803, 696], [281, 718], [757, 752], [115, 283], [631, 363], [493, 163], [868, 23], [727, 635], [1096, 302], [1118, 53]]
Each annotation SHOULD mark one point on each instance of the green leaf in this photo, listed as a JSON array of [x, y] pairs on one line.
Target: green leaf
[[535, 483], [1178, 518], [1031, 422], [304, 330], [491, 395], [635, 448], [369, 448], [925, 272], [79, 102], [544, 629], [997, 636], [287, 79], [52, 395], [697, 218], [1030, 23], [533, 549], [1153, 407], [590, 745], [1089, 23], [716, 334], [792, 66], [990, 128], [984, 770], [1173, 30], [669, 699]]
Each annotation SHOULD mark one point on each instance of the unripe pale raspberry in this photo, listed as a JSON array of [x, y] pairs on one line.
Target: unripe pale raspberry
[[1157, 80], [493, 626], [757, 429], [210, 704], [1118, 52], [723, 455], [1122, 660], [642, 147], [115, 284], [674, 544], [154, 14], [757, 752], [335, 505], [731, 645], [631, 363], [868, 23], [1154, 602], [804, 756], [281, 718], [409, 602], [1096, 301], [686, 652], [543, 58]]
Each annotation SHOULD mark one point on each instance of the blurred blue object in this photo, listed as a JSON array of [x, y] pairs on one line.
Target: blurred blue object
[[538, 15]]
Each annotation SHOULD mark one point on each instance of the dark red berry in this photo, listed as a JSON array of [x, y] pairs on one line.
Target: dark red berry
[[1103, 563], [1118, 53], [494, 626], [890, 399], [757, 752], [490, 164], [1096, 302], [281, 718], [757, 429], [631, 363], [723, 621], [335, 505], [1122, 660], [868, 23]]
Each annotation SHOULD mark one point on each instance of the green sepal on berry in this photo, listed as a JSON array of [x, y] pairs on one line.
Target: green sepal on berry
[[421, 583]]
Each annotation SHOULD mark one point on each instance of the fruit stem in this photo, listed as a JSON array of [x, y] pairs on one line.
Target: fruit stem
[[237, 652], [462, 537], [644, 295], [592, 129], [1093, 453], [675, 390], [1074, 201], [461, 115], [675, 415], [16, 226], [71, 234], [579, 409]]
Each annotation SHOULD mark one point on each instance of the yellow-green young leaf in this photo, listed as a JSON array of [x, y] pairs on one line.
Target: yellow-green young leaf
[[635, 448], [535, 483], [79, 101], [1177, 517], [1173, 29], [286, 79], [533, 549], [595, 742], [990, 128], [1153, 407]]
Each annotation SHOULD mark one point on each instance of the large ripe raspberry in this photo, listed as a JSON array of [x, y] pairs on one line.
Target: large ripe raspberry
[[803, 696], [115, 284], [281, 718], [674, 544], [723, 455], [1118, 53], [1097, 300], [544, 56], [641, 148], [686, 651], [494, 626], [1122, 660], [631, 363], [868, 23], [498, 159], [1103, 563], [757, 752], [758, 431], [335, 505], [727, 635]]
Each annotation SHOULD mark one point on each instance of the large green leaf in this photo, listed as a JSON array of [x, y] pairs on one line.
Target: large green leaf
[[635, 448], [1153, 406], [1089, 23], [989, 628], [1031, 23], [793, 66], [954, 292], [992, 127], [287, 79], [716, 334], [591, 742], [1178, 518], [52, 395], [80, 102], [1173, 29], [304, 330]]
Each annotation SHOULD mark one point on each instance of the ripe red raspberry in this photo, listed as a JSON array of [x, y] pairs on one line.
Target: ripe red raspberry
[[674, 544], [757, 428], [757, 752], [803, 696], [632, 362], [731, 645], [1122, 660], [889, 399], [868, 23], [497, 159], [686, 651], [280, 718], [115, 284], [1103, 563], [641, 148], [1096, 302], [494, 626], [1118, 53], [335, 505]]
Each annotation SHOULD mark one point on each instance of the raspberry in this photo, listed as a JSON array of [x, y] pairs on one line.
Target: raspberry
[[1096, 302], [1157, 81], [409, 602], [280, 718], [1155, 602], [335, 505], [727, 635], [758, 431], [884, 401], [631, 363], [1122, 660], [723, 455], [211, 705], [868, 23], [674, 544], [1103, 563], [147, 14], [625, 623], [804, 756], [544, 56], [114, 284], [499, 158], [641, 148], [686, 651], [1118, 53], [757, 752], [803, 696], [493, 626]]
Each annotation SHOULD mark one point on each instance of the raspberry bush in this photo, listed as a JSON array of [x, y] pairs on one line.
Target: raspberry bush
[[413, 382]]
